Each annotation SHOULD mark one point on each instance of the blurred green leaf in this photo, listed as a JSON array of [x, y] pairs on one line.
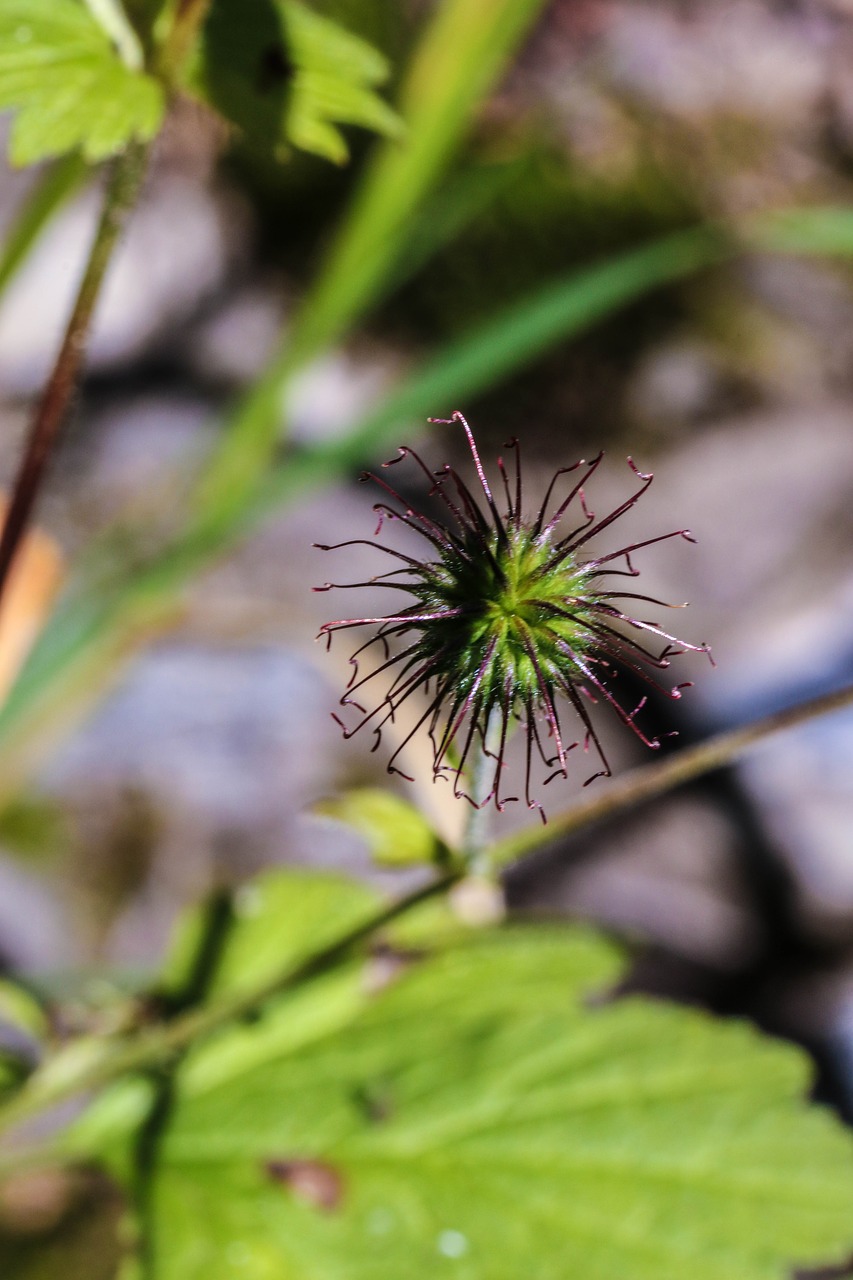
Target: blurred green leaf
[[280, 919], [285, 75], [481, 1119], [31, 826], [19, 1008], [397, 835], [68, 86], [819, 230], [50, 192]]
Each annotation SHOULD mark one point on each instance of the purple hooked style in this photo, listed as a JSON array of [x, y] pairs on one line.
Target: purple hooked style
[[506, 621]]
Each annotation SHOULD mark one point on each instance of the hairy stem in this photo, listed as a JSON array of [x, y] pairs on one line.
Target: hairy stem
[[475, 841], [55, 402], [649, 781]]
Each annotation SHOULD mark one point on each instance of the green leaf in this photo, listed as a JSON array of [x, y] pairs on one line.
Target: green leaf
[[285, 75], [19, 1008], [280, 919], [397, 834], [481, 1120], [69, 88]]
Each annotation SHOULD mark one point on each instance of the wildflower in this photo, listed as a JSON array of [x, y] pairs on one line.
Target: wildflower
[[507, 621]]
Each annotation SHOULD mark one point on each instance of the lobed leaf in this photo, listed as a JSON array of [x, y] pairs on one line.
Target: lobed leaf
[[287, 76], [479, 1118], [396, 833], [68, 86]]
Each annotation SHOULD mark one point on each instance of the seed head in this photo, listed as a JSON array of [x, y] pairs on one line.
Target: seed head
[[507, 622]]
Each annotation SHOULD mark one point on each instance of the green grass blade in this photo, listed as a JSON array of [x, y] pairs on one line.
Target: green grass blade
[[503, 345], [90, 637], [826, 230], [50, 192], [456, 64]]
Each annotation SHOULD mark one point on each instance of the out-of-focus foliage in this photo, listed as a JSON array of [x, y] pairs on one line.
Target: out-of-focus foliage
[[319, 1103], [280, 920], [281, 73], [68, 85], [284, 75], [397, 834], [481, 1115]]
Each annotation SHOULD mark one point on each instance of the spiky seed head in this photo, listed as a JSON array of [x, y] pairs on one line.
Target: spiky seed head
[[507, 621]]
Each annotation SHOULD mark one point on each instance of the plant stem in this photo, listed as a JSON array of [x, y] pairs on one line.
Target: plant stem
[[644, 784], [111, 16], [154, 1046], [475, 840], [150, 1048], [188, 20], [120, 195]]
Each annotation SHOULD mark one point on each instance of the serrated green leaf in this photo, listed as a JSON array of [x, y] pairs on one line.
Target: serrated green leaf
[[480, 1120], [68, 86], [281, 919], [396, 832], [287, 76]]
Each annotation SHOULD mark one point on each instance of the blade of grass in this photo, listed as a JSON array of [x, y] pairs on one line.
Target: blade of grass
[[822, 230], [50, 192], [495, 350], [457, 62]]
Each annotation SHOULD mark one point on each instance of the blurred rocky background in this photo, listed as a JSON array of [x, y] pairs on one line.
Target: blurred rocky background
[[619, 122]]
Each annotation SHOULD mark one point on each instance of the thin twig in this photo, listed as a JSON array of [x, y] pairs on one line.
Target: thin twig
[[155, 1045], [189, 18], [52, 411], [644, 784]]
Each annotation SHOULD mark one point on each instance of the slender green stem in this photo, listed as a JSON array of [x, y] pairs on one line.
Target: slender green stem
[[644, 784], [54, 405], [154, 1046], [178, 45], [475, 841]]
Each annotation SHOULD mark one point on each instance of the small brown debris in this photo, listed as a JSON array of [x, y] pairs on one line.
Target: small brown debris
[[313, 1181]]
